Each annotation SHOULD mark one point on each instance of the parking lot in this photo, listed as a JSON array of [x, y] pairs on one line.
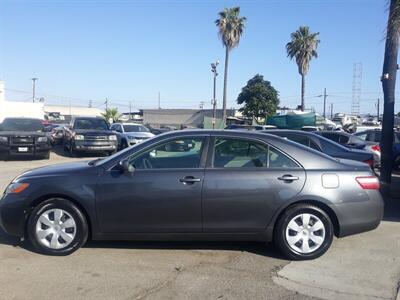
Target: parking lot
[[365, 266]]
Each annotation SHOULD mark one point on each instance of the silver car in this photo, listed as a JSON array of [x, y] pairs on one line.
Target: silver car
[[130, 134]]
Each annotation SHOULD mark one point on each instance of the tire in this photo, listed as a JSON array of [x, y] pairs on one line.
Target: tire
[[71, 150], [46, 155], [124, 144], [68, 239], [291, 243]]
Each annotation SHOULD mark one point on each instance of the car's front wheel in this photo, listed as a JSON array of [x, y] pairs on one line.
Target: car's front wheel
[[303, 232], [57, 227]]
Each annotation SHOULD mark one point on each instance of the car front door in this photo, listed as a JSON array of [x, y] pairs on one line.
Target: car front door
[[161, 195], [245, 181]]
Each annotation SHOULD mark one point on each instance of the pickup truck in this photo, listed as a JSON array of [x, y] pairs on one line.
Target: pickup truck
[[89, 134], [24, 137]]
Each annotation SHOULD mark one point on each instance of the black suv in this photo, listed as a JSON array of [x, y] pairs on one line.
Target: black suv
[[24, 136], [89, 134]]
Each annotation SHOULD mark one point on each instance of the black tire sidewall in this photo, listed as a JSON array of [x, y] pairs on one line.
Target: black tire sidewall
[[80, 220], [280, 232]]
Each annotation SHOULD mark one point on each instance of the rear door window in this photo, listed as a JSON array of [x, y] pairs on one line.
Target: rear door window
[[240, 153]]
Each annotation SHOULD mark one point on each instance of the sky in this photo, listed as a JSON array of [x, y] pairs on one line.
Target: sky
[[130, 51]]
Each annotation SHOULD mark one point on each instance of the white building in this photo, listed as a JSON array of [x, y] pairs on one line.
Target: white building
[[18, 109]]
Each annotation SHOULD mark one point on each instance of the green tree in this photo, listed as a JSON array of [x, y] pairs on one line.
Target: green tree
[[303, 47], [388, 85], [111, 113], [230, 27], [259, 97]]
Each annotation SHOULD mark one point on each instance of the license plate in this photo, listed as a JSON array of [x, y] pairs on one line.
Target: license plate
[[22, 149]]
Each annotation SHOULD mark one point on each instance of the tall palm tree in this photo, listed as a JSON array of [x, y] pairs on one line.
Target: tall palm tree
[[303, 47], [388, 85], [230, 27]]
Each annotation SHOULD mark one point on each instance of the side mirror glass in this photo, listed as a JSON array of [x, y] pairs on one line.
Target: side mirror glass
[[126, 166]]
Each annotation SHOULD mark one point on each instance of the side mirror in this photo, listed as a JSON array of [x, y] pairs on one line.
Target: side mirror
[[126, 166]]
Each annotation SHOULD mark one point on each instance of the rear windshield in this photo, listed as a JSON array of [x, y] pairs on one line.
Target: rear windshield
[[98, 124], [135, 128], [22, 125]]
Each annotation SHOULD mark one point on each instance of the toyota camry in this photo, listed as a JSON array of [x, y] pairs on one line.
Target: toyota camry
[[223, 185]]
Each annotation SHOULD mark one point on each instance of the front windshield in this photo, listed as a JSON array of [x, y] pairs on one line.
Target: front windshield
[[135, 128], [22, 125], [98, 124]]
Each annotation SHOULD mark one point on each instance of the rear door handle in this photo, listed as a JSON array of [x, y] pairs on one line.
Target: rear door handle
[[189, 180], [288, 178]]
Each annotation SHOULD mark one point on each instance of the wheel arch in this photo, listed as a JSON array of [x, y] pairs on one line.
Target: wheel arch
[[43, 198], [320, 204]]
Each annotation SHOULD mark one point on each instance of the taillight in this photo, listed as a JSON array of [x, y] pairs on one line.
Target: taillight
[[376, 148], [369, 162], [368, 182]]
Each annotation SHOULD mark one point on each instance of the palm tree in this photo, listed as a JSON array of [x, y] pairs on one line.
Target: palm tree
[[303, 47], [230, 27], [388, 85], [111, 113]]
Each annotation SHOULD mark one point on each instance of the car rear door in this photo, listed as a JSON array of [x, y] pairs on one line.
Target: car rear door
[[245, 181], [162, 195]]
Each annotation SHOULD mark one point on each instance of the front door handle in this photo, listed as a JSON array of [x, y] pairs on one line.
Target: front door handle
[[189, 180], [288, 178]]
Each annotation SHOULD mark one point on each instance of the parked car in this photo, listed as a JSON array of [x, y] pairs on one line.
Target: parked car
[[130, 134], [249, 127], [374, 135], [24, 136], [310, 128], [354, 142], [89, 134], [57, 134], [319, 143], [231, 185]]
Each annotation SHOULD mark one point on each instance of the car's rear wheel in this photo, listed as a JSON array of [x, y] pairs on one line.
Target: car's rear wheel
[[304, 232], [57, 227]]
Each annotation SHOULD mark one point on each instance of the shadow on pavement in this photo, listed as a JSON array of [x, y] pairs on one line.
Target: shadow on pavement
[[59, 150], [392, 202]]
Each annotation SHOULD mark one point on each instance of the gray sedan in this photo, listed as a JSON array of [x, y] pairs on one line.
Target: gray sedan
[[226, 185]]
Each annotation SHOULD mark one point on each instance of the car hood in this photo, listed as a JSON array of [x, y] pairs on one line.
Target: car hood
[[22, 133], [139, 134], [57, 169], [94, 131]]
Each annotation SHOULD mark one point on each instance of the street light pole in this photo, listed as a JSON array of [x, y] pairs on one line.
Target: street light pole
[[214, 100], [325, 102], [33, 88]]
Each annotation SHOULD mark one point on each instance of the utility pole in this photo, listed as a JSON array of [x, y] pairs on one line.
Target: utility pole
[[159, 100], [33, 88], [331, 111], [214, 100], [377, 109], [106, 103], [130, 109], [325, 102]]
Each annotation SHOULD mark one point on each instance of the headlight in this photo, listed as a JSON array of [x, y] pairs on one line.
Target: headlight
[[3, 139], [16, 187], [112, 137], [79, 137], [42, 139]]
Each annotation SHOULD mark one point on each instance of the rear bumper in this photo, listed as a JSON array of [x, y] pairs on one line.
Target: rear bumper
[[357, 217]]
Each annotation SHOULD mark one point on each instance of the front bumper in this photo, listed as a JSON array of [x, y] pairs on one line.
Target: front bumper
[[361, 216], [12, 215], [95, 146], [25, 149]]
